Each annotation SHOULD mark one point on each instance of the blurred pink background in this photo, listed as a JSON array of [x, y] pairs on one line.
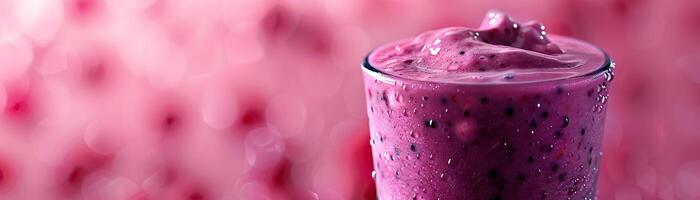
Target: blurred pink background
[[262, 99]]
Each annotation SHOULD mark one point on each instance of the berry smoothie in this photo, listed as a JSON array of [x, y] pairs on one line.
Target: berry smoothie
[[505, 111]]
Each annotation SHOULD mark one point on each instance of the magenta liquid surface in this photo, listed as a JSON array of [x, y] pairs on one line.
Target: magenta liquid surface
[[499, 112]]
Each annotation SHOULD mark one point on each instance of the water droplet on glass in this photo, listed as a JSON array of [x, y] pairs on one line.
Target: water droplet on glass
[[609, 75], [374, 175], [434, 51], [602, 88], [398, 97], [430, 123]]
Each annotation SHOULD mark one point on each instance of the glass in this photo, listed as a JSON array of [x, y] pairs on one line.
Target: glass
[[538, 140]]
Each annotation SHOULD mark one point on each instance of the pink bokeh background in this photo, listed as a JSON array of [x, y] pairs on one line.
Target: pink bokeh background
[[262, 99]]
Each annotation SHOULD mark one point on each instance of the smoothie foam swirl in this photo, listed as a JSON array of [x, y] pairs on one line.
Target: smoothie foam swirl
[[499, 51]]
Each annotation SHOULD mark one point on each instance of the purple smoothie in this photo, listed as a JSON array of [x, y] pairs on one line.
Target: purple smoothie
[[500, 112]]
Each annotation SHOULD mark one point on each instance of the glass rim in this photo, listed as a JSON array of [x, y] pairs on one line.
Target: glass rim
[[607, 66]]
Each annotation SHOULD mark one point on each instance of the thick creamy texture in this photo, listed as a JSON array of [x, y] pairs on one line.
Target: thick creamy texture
[[500, 51]]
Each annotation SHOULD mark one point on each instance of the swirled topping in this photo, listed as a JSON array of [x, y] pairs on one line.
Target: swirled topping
[[500, 50]]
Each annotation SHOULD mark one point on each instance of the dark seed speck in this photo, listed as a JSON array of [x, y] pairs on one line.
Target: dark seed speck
[[510, 111], [565, 123], [559, 90], [493, 173], [533, 124], [555, 167], [557, 134], [467, 113], [484, 100], [562, 177]]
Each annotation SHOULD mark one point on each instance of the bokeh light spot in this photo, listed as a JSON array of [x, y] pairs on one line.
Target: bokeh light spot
[[3, 97], [103, 137], [254, 190], [263, 148], [219, 109], [15, 57], [243, 46], [286, 114]]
